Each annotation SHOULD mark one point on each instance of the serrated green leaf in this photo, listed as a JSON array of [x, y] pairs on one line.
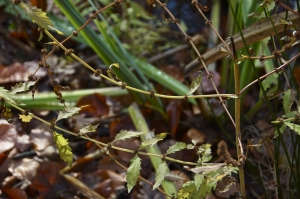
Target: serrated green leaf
[[281, 130], [65, 152], [178, 146], [198, 179], [88, 128], [195, 83], [205, 153], [133, 172], [5, 94], [38, 16], [152, 141], [67, 112], [160, 174], [294, 127], [287, 100], [21, 87], [267, 82], [126, 134]]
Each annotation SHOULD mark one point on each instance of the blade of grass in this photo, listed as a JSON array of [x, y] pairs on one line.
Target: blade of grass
[[141, 126]]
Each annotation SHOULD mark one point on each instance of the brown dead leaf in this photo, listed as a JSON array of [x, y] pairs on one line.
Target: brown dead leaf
[[48, 183], [196, 135], [8, 136], [24, 169], [15, 193], [97, 106], [19, 72], [174, 110]]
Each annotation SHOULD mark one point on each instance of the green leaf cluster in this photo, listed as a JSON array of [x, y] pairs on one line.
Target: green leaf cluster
[[204, 183]]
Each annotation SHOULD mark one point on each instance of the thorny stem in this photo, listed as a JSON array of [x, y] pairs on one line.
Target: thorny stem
[[286, 7], [273, 71], [200, 58], [129, 87], [101, 143]]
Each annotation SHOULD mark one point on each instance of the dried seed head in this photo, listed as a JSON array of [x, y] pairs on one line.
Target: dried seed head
[[93, 16], [55, 47], [98, 72], [44, 51], [152, 93], [262, 58], [277, 53], [69, 52], [41, 64], [123, 85], [75, 33]]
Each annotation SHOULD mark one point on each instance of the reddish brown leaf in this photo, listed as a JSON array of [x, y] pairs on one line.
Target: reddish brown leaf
[[8, 136], [196, 135], [110, 181], [97, 106], [48, 183], [173, 71], [174, 110], [15, 193]]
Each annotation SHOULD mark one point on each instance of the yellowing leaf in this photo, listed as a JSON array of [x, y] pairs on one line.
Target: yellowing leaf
[[152, 141], [63, 147], [288, 97], [195, 84], [294, 127], [198, 178], [161, 172], [38, 16], [133, 172], [67, 112], [88, 128], [178, 146], [20, 87], [126, 134], [25, 118]]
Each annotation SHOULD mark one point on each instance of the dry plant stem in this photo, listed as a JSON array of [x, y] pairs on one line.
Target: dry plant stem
[[286, 7], [200, 58], [237, 117], [253, 33], [208, 22], [103, 144], [273, 71], [131, 88]]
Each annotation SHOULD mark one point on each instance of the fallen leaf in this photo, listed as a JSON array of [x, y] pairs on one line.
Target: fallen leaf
[[41, 138], [48, 183], [24, 169], [97, 106], [15, 193], [8, 136]]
